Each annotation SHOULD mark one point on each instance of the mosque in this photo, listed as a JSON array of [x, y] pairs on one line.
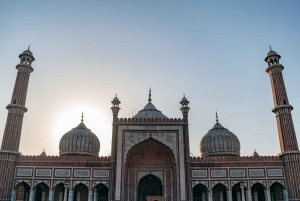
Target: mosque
[[150, 157]]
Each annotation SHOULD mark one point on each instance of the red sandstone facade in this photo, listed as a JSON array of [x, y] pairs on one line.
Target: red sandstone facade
[[150, 157]]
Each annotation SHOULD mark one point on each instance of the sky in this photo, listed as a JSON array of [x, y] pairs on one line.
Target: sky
[[88, 51]]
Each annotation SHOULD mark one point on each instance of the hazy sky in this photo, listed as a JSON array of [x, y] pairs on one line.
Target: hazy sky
[[87, 51]]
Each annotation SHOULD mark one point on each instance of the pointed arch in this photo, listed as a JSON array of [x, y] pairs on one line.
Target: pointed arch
[[200, 192], [219, 192], [23, 190], [276, 191], [150, 152]]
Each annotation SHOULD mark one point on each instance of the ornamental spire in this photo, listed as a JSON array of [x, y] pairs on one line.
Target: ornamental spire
[[149, 99], [82, 117], [270, 48], [217, 118]]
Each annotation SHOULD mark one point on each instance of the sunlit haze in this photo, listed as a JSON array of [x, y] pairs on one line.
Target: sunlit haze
[[88, 51]]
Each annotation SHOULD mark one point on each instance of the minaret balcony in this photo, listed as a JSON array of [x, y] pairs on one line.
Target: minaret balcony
[[282, 109], [24, 68], [274, 68], [18, 109]]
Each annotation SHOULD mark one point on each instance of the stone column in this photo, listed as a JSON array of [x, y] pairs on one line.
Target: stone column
[[31, 195], [249, 196], [267, 195], [66, 194], [71, 195], [43, 196], [61, 195], [243, 193], [221, 196], [203, 196], [95, 195], [238, 196], [51, 195], [78, 196], [229, 195], [209, 193], [255, 196], [285, 195], [90, 198], [13, 195]]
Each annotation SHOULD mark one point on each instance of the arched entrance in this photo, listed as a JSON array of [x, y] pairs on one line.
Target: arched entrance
[[101, 192], [258, 192], [219, 193], [59, 192], [237, 193], [200, 193], [149, 185], [41, 192], [142, 161], [276, 191], [80, 193], [23, 190]]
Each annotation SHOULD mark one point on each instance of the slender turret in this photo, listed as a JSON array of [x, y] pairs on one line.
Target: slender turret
[[287, 137], [11, 139], [185, 112], [115, 110]]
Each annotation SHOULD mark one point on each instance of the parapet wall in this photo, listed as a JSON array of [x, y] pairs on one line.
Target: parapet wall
[[151, 120], [65, 158], [235, 158]]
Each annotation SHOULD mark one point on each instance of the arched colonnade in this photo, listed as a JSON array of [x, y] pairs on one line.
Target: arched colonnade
[[258, 192], [60, 192]]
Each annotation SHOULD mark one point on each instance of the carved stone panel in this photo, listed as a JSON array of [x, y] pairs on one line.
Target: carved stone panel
[[256, 173], [43, 172], [101, 173], [218, 173], [199, 173], [237, 173], [81, 173], [62, 173], [24, 172], [275, 172]]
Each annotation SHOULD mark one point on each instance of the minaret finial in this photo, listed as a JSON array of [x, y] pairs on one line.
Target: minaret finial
[[270, 48], [82, 117], [116, 95], [28, 47], [150, 95], [217, 119]]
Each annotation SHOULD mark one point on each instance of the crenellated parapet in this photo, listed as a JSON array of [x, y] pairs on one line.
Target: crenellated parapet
[[235, 158], [150, 120], [64, 158]]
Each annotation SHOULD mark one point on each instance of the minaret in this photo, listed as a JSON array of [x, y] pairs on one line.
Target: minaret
[[185, 112], [115, 110], [287, 137], [11, 139]]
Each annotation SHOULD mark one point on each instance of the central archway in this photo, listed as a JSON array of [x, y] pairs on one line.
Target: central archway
[[149, 185], [150, 171]]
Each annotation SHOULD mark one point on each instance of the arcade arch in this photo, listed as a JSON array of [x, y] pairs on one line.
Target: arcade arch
[[200, 193], [23, 190]]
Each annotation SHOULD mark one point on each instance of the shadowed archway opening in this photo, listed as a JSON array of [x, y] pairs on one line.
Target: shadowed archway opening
[[276, 191], [149, 185], [237, 192], [258, 192], [23, 190], [59, 192], [200, 193], [219, 193], [80, 193], [41, 192], [101, 192]]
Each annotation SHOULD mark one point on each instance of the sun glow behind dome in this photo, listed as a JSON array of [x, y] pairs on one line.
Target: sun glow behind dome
[[94, 119]]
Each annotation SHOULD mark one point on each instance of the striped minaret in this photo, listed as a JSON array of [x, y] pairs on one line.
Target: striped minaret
[[287, 137], [11, 139]]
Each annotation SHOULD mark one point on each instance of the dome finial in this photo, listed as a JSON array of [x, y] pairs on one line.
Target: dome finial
[[270, 48], [217, 118], [82, 117], [150, 95], [29, 47]]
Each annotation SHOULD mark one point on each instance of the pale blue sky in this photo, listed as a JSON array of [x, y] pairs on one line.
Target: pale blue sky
[[87, 51]]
